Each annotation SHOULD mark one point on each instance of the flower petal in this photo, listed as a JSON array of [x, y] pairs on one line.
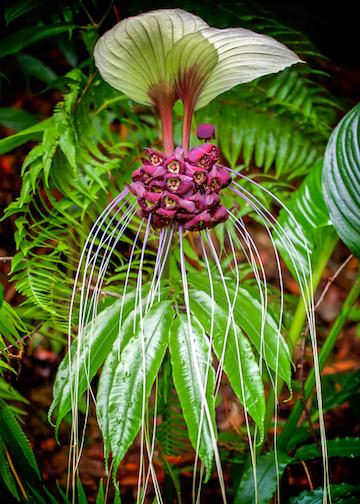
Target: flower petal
[[243, 56]]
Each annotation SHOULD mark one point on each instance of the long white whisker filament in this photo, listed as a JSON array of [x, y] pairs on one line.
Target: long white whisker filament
[[74, 410], [264, 311], [196, 367], [209, 358], [241, 378], [306, 289]]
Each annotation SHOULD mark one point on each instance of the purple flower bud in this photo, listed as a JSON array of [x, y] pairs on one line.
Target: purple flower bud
[[156, 158], [150, 201], [169, 200], [137, 174], [179, 184], [154, 171], [205, 131], [200, 156], [174, 165], [157, 186], [200, 221], [164, 212], [199, 175], [199, 201], [211, 200], [218, 177], [137, 188], [220, 215]]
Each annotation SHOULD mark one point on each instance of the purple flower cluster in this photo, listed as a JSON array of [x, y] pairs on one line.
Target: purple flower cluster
[[181, 189]]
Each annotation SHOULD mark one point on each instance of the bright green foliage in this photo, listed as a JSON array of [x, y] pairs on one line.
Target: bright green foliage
[[341, 179], [121, 390], [97, 340], [248, 314], [268, 471], [233, 349], [194, 380], [301, 241]]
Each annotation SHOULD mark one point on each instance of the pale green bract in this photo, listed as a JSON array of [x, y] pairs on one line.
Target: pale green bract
[[149, 56]]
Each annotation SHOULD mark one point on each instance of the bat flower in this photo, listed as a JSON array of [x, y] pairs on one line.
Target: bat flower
[[170, 295]]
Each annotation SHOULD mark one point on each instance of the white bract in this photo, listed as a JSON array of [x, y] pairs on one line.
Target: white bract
[[168, 53]]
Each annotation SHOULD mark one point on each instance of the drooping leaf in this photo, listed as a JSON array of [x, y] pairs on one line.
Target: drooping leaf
[[33, 133], [22, 38], [16, 119], [97, 340], [21, 7], [194, 380], [248, 315], [339, 447], [267, 473], [341, 179], [303, 228], [120, 392], [239, 363], [343, 493]]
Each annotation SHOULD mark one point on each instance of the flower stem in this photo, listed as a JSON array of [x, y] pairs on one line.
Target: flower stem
[[299, 320], [166, 116], [188, 113], [324, 354]]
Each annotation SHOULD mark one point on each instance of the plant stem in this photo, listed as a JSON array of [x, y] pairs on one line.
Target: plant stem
[[166, 116], [298, 322], [188, 113], [324, 354]]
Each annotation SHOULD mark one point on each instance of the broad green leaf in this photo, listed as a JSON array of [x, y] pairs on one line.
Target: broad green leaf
[[240, 365], [98, 339], [120, 391], [341, 179], [342, 493], [20, 8], [36, 68], [339, 447], [248, 315], [100, 497], [266, 479], [16, 119], [186, 357], [186, 58], [33, 133], [312, 226], [22, 38]]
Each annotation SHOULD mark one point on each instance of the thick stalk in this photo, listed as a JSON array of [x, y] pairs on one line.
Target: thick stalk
[[188, 113], [299, 321], [324, 354], [166, 116]]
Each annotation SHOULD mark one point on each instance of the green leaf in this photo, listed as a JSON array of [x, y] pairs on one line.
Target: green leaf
[[339, 447], [248, 315], [312, 225], [97, 341], [18, 445], [341, 179], [240, 365], [266, 475], [120, 391], [36, 68], [340, 494], [33, 133], [16, 119], [100, 497], [186, 356], [22, 38], [20, 8]]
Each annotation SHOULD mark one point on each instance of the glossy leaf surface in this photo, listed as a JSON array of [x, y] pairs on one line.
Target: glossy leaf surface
[[341, 179], [185, 358], [121, 387]]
